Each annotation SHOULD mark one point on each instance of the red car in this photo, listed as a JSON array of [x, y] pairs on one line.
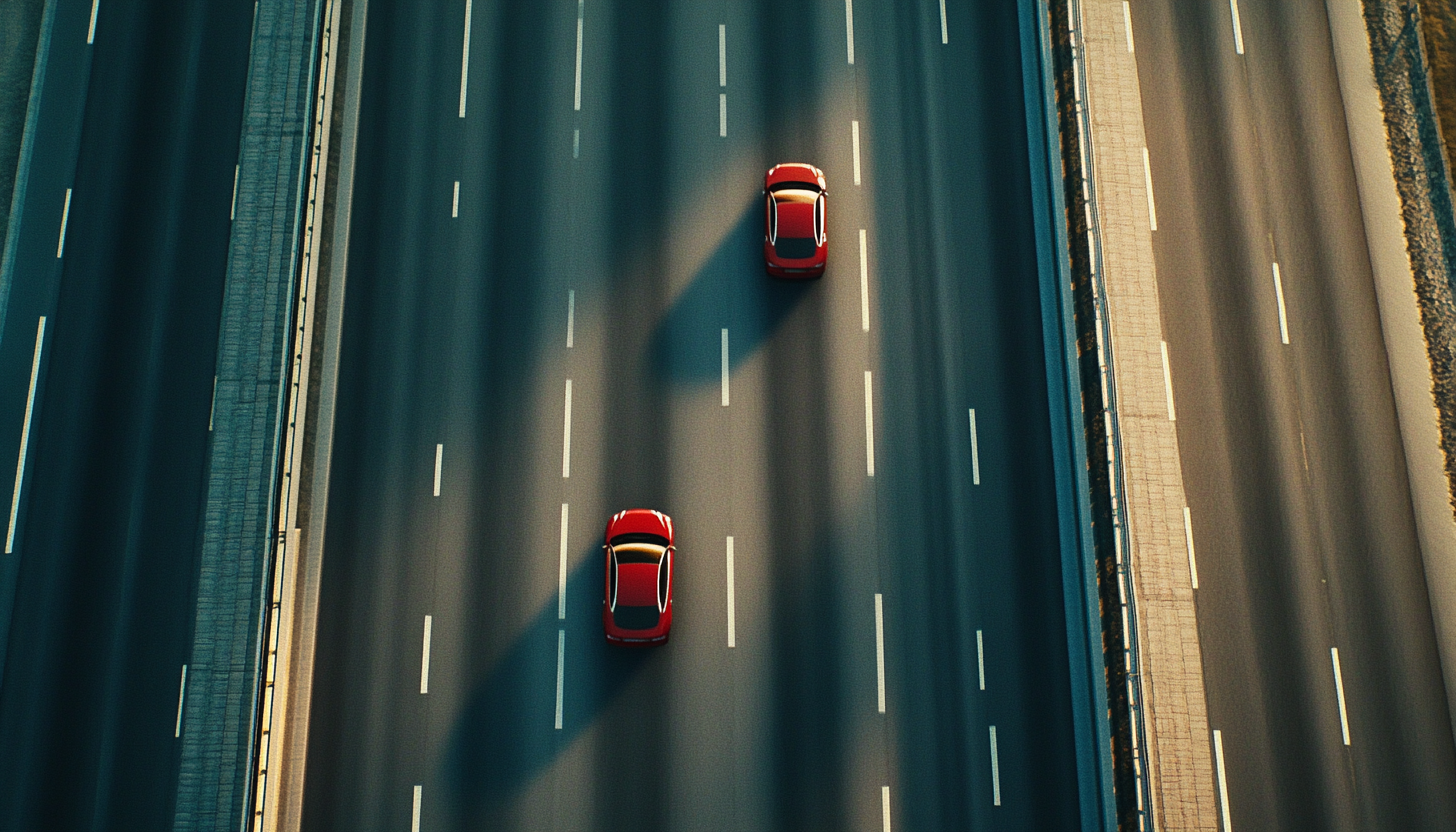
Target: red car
[[637, 608], [795, 236]]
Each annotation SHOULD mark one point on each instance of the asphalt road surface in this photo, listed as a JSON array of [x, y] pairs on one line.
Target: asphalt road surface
[[123, 254], [1319, 653], [557, 309]]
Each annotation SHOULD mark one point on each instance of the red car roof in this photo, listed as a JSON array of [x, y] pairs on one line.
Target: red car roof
[[637, 585], [796, 219]]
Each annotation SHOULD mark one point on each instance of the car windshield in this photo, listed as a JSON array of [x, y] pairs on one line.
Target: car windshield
[[796, 194], [794, 248], [639, 553], [638, 537], [635, 618]]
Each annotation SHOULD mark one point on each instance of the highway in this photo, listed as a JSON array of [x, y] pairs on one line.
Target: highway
[[1320, 662], [556, 309], [108, 351]]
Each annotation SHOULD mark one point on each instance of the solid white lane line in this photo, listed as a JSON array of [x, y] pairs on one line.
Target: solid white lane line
[[944, 38], [722, 114], [981, 659], [995, 771], [212, 411], [975, 452], [425, 656], [91, 29], [439, 461], [854, 135], [880, 647], [561, 571], [1148, 183], [1223, 801], [1168, 383], [560, 672], [869, 426], [1127, 22], [722, 55], [849, 28], [1238, 27], [732, 609], [1188, 534], [580, 16], [1279, 296], [465, 59], [455, 201], [725, 367], [181, 697], [25, 435], [233, 208], [864, 283], [566, 437], [415, 813], [885, 790], [65, 218], [1340, 694], [570, 318]]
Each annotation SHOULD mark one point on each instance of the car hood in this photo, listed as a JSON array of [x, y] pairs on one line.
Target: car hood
[[640, 520]]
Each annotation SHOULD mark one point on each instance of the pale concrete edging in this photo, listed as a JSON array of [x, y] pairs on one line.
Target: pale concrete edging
[[284, 694], [1172, 740], [1400, 324]]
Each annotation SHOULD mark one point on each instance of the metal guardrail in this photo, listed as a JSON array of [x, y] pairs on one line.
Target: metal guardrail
[[1115, 472]]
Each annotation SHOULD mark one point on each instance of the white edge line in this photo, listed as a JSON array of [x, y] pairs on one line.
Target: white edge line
[[1223, 801], [1188, 535], [725, 367], [65, 219], [732, 604], [566, 437], [849, 28], [980, 659], [181, 697], [880, 648], [975, 452], [1340, 694], [1238, 27], [995, 771], [212, 411], [1279, 296], [91, 29], [425, 655], [465, 59], [570, 318], [25, 435], [864, 282], [580, 16], [1168, 383], [1148, 182], [561, 571], [560, 672], [869, 425], [854, 134], [415, 813], [233, 208], [439, 462]]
